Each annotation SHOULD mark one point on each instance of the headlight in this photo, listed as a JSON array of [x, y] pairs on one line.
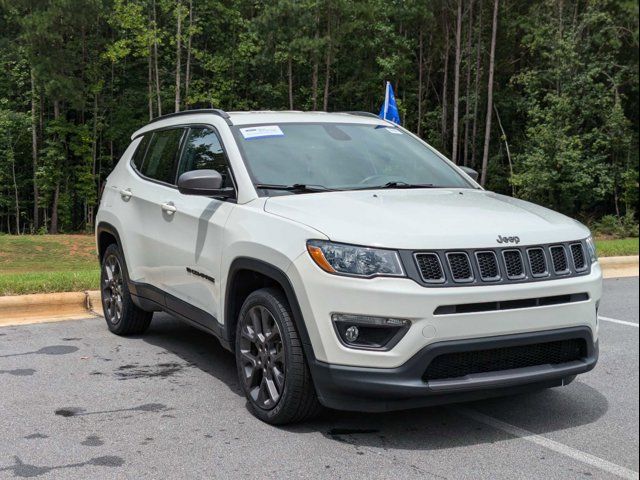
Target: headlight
[[591, 249], [353, 260]]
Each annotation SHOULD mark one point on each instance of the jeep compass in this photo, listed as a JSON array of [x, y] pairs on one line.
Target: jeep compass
[[344, 262]]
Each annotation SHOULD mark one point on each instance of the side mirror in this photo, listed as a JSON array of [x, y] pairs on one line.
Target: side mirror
[[471, 172], [203, 182]]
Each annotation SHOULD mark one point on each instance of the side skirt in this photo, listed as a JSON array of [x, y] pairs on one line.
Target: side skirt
[[149, 297]]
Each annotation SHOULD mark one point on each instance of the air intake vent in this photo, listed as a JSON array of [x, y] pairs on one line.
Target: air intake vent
[[537, 262], [460, 267], [459, 364], [430, 267], [577, 253], [514, 264], [488, 266], [559, 258]]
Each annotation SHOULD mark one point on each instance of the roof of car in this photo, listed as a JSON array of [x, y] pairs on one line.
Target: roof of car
[[262, 117]]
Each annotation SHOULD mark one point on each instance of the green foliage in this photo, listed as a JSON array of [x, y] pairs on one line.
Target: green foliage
[[617, 227], [566, 87], [577, 135]]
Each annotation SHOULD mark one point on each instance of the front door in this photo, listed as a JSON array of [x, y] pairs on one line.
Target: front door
[[192, 271]]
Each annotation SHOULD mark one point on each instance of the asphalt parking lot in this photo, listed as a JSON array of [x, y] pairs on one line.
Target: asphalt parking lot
[[77, 402]]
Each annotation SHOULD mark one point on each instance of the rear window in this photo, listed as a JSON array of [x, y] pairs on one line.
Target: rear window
[[159, 162], [138, 156]]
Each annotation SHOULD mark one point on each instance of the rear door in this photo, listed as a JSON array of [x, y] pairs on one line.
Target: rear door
[[192, 270]]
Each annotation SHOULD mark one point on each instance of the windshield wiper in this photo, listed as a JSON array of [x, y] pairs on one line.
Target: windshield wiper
[[405, 185], [295, 188]]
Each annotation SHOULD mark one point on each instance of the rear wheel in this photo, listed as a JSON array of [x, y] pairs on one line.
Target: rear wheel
[[122, 315], [271, 366]]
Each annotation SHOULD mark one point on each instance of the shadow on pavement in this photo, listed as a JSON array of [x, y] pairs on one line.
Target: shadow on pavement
[[420, 429]]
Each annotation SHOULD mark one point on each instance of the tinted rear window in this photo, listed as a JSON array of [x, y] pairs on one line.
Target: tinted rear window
[[138, 156], [159, 163]]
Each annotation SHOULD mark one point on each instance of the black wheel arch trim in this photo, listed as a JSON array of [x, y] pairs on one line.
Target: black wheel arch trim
[[105, 227], [281, 278]]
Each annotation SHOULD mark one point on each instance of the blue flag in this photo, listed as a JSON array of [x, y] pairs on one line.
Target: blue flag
[[389, 109]]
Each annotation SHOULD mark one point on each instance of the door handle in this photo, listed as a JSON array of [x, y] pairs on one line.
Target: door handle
[[169, 207], [126, 194]]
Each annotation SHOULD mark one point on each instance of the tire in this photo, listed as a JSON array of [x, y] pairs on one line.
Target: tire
[[123, 317], [261, 358]]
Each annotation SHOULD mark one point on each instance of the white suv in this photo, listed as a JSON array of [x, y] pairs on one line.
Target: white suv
[[344, 261]]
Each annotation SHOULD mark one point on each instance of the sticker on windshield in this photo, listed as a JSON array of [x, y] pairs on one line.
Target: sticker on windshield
[[394, 131], [263, 131]]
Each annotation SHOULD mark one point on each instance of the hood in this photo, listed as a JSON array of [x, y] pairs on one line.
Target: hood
[[426, 218]]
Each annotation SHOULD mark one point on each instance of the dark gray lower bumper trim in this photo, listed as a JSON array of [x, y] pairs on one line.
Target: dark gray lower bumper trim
[[376, 389]]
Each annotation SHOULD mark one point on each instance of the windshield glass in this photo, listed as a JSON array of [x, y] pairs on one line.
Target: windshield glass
[[341, 156]]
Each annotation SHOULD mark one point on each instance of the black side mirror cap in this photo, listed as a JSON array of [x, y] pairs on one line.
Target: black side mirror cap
[[471, 172], [203, 182]]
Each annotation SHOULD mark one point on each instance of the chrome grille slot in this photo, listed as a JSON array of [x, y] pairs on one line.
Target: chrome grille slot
[[537, 262], [460, 267], [488, 266], [559, 259], [578, 256], [513, 264], [430, 267]]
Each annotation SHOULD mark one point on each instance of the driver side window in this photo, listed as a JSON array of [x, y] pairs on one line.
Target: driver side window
[[203, 150]]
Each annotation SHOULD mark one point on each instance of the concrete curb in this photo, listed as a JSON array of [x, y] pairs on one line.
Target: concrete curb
[[49, 307], [53, 307], [613, 267]]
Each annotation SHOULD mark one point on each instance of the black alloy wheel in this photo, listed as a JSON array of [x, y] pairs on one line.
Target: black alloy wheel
[[262, 357], [123, 316], [112, 289], [270, 359]]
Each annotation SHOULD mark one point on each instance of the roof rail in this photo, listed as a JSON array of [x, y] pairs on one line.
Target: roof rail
[[361, 114], [210, 111]]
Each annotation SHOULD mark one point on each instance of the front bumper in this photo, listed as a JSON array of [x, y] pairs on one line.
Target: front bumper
[[320, 294], [377, 389]]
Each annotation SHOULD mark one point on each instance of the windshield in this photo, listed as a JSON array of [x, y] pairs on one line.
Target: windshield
[[341, 157]]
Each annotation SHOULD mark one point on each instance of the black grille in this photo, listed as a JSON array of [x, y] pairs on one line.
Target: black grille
[[459, 364], [513, 263], [537, 262], [577, 253], [496, 266], [460, 267], [559, 257], [488, 265], [430, 267]]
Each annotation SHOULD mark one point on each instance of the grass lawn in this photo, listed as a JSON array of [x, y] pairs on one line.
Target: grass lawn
[[617, 247], [47, 263]]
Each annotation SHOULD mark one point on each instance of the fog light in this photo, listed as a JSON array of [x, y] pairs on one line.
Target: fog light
[[351, 334], [367, 332]]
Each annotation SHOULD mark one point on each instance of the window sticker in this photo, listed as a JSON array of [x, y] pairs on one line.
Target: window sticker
[[263, 131], [395, 131]]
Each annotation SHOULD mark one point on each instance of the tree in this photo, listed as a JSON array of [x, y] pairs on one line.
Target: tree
[[487, 129], [456, 85], [561, 86]]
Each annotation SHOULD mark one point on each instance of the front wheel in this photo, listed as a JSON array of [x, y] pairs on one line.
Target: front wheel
[[271, 366], [122, 315]]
